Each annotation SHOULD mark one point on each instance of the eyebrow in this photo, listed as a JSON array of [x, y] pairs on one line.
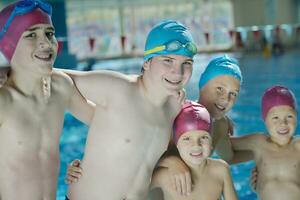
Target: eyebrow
[[189, 60], [237, 90], [38, 27]]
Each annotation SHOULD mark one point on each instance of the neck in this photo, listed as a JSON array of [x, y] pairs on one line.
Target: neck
[[280, 143], [31, 84], [152, 94], [198, 170]]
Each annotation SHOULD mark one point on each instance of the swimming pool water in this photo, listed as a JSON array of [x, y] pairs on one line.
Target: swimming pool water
[[258, 74]]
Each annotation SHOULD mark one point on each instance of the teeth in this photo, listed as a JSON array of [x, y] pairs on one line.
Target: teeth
[[220, 107], [283, 131], [196, 154], [44, 56]]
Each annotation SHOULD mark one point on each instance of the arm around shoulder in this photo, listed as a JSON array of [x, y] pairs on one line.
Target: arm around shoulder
[[159, 178], [80, 107], [97, 86], [248, 142]]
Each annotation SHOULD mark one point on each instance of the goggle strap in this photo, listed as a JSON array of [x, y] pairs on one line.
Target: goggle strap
[[156, 49]]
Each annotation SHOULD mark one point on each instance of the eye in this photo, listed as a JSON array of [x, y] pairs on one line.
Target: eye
[[220, 89], [205, 137], [186, 138], [290, 116], [30, 35], [50, 34], [167, 61], [187, 64], [234, 94], [275, 117]]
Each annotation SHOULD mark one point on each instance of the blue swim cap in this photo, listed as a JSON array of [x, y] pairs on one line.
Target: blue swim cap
[[223, 65], [164, 32]]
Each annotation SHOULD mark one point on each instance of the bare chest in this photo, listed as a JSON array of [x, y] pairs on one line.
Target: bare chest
[[279, 164]]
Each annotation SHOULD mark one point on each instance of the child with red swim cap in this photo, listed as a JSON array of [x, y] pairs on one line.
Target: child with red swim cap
[[192, 136], [33, 101], [276, 154]]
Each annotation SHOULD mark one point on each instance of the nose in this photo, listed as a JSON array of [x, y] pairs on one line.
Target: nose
[[224, 96], [177, 69], [284, 121], [44, 43], [197, 142]]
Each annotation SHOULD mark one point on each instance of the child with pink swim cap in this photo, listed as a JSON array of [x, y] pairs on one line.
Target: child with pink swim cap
[[33, 102], [192, 136], [276, 154]]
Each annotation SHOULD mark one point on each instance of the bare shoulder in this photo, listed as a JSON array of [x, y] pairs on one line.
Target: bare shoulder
[[218, 163], [61, 78], [218, 167], [296, 142]]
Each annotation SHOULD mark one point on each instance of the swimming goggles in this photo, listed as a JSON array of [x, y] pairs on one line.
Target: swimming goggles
[[23, 7], [173, 46]]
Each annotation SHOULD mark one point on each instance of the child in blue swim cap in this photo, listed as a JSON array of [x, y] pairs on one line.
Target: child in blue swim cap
[[219, 85]]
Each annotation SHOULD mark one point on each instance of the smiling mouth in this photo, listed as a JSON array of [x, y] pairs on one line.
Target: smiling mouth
[[44, 57], [219, 107], [196, 154], [283, 132], [173, 82]]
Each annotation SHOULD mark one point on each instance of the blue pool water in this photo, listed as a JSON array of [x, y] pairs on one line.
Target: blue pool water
[[258, 74]]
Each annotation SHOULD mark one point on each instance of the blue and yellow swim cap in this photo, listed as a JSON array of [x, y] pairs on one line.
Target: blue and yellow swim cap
[[223, 65], [169, 37]]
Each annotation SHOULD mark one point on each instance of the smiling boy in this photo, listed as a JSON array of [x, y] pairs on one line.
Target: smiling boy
[[32, 103]]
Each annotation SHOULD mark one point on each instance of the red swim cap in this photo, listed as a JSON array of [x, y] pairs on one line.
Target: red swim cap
[[193, 116], [19, 24], [277, 96]]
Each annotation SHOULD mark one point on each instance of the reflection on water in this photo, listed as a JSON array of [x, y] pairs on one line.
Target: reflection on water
[[258, 74]]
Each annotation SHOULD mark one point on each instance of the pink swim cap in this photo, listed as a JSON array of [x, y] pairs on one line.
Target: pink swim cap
[[18, 25], [193, 116], [277, 96]]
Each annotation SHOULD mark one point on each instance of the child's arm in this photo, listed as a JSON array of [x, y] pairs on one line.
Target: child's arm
[[97, 86], [80, 107], [248, 142], [159, 178], [178, 174], [221, 138], [228, 190]]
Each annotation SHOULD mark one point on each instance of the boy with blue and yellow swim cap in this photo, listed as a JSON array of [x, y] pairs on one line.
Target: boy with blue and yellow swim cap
[[147, 105]]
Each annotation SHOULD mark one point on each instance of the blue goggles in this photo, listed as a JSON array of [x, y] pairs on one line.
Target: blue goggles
[[23, 7], [173, 46]]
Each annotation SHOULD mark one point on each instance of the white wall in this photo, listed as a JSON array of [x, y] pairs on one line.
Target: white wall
[[263, 12]]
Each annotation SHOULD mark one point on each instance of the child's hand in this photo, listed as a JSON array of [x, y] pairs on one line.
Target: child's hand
[[180, 178], [181, 96], [74, 172], [254, 175]]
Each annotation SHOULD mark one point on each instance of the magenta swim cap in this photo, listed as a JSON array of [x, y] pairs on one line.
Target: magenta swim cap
[[19, 24], [277, 96], [193, 116]]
